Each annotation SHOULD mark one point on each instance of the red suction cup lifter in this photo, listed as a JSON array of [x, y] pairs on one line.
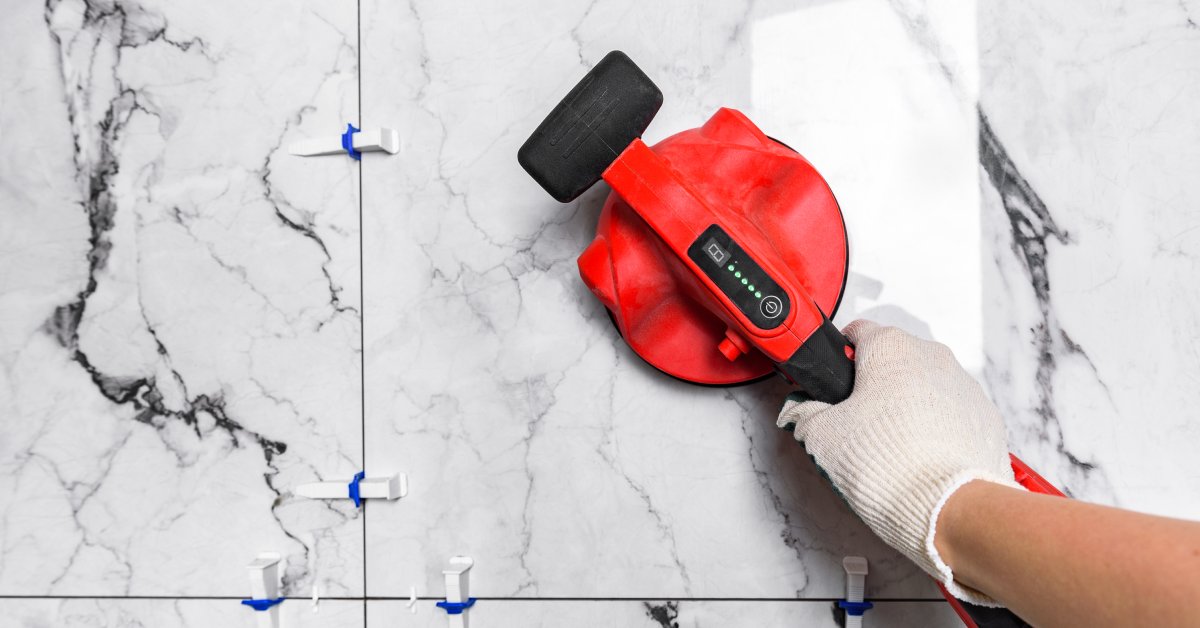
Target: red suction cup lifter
[[734, 269], [777, 316], [720, 255]]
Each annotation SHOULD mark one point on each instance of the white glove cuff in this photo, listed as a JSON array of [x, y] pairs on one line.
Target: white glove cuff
[[941, 571]]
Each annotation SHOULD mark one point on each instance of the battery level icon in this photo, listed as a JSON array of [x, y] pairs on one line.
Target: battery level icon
[[715, 251]]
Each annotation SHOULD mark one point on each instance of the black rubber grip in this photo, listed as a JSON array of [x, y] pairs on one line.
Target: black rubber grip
[[603, 114], [822, 368], [985, 617]]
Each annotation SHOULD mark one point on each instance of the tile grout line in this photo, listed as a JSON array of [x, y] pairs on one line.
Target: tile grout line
[[362, 309], [386, 598]]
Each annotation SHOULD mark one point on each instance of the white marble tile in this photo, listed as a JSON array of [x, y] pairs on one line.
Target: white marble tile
[[536, 441], [180, 335], [660, 614], [128, 613], [881, 98], [180, 308], [1089, 165]]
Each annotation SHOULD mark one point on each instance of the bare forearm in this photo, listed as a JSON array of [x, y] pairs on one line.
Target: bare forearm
[[1062, 562]]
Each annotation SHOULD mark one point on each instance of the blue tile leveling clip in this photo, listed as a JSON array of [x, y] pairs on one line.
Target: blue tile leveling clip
[[262, 605], [456, 608], [354, 494], [855, 609], [348, 145]]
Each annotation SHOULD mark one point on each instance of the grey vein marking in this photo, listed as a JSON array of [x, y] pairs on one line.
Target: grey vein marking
[[663, 614], [760, 475], [96, 165], [304, 225], [1032, 227]]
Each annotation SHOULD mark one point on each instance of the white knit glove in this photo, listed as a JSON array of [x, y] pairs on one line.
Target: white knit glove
[[915, 429]]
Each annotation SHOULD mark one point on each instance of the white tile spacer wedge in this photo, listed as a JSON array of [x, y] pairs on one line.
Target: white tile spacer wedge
[[359, 488], [264, 589], [458, 595], [370, 140], [856, 584]]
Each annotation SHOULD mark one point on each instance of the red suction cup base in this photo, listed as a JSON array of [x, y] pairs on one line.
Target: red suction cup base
[[650, 295]]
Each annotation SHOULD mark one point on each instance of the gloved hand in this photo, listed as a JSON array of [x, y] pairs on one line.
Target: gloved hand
[[915, 429]]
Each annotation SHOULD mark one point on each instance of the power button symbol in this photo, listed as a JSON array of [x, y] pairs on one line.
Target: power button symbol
[[770, 306]]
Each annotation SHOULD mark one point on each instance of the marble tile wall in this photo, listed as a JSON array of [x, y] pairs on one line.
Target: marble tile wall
[[193, 322], [1089, 149], [661, 614], [182, 612], [548, 450], [198, 613], [181, 336]]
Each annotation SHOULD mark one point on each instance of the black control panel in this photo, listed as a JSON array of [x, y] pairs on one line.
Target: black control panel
[[746, 284]]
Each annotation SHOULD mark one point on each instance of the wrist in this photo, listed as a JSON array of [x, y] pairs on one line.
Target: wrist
[[963, 518], [951, 521]]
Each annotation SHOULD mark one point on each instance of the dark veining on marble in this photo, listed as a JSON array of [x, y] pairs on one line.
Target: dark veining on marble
[[131, 27], [538, 393], [661, 520], [663, 614], [1187, 14], [787, 534], [303, 226], [1032, 228]]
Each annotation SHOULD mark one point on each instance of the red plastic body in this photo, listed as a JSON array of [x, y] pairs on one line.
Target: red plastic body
[[766, 196]]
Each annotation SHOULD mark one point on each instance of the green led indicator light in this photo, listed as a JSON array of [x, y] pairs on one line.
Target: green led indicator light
[[745, 281], [758, 295], [730, 267], [751, 287], [737, 274]]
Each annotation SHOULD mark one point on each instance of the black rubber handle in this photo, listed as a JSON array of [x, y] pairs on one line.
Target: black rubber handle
[[823, 367], [603, 114], [985, 617]]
